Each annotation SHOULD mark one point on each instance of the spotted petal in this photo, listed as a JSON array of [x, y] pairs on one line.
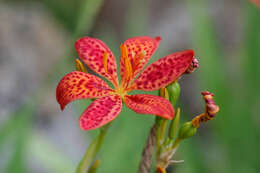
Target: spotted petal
[[100, 112], [98, 57], [150, 104], [164, 71], [140, 50], [80, 85], [256, 2]]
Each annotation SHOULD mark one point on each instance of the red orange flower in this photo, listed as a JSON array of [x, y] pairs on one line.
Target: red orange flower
[[135, 53]]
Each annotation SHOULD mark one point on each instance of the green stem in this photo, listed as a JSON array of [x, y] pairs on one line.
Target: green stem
[[176, 143], [94, 167], [92, 151]]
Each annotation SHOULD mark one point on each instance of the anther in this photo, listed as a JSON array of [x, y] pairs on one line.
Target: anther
[[127, 62], [80, 66], [105, 56]]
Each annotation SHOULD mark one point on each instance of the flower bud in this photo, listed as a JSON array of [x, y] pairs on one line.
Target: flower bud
[[174, 92], [173, 129], [161, 129], [187, 130], [194, 65], [211, 107]]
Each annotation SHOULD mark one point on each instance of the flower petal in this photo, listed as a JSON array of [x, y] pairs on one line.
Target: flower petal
[[98, 57], [79, 85], [256, 2], [100, 112], [150, 104], [164, 71], [140, 50]]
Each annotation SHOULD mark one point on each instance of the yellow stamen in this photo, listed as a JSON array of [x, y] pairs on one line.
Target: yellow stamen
[[127, 63], [80, 66], [105, 61], [129, 70], [121, 92], [164, 93], [123, 49]]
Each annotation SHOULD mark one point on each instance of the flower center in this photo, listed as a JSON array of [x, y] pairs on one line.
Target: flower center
[[121, 91]]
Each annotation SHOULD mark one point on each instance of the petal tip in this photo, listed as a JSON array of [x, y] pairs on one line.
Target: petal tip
[[81, 125], [170, 114], [170, 117], [190, 51], [84, 125], [76, 44], [62, 107], [78, 41], [158, 38]]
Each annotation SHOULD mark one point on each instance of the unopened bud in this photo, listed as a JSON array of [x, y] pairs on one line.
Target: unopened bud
[[211, 107], [187, 130], [194, 65], [211, 110], [173, 129], [174, 92], [161, 129]]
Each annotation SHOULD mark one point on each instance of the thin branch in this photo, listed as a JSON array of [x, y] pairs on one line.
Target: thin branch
[[147, 154]]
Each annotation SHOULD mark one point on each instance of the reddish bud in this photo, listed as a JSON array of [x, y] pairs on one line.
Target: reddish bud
[[194, 65], [211, 107], [211, 110]]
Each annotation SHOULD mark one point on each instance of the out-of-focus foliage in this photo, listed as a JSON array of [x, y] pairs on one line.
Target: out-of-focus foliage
[[228, 69]]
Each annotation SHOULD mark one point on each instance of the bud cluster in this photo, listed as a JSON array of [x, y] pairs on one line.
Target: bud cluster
[[168, 144], [211, 109]]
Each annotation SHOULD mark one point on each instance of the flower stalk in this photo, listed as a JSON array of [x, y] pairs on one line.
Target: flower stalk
[[147, 154], [92, 150], [94, 166]]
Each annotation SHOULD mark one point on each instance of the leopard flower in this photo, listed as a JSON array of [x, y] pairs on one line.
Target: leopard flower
[[135, 53]]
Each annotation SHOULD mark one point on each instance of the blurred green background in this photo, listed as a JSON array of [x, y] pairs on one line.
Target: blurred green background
[[36, 50]]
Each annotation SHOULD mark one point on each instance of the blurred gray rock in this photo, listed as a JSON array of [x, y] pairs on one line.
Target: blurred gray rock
[[31, 45]]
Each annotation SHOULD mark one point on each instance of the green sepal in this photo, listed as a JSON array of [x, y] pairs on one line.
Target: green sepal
[[174, 125], [187, 130]]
